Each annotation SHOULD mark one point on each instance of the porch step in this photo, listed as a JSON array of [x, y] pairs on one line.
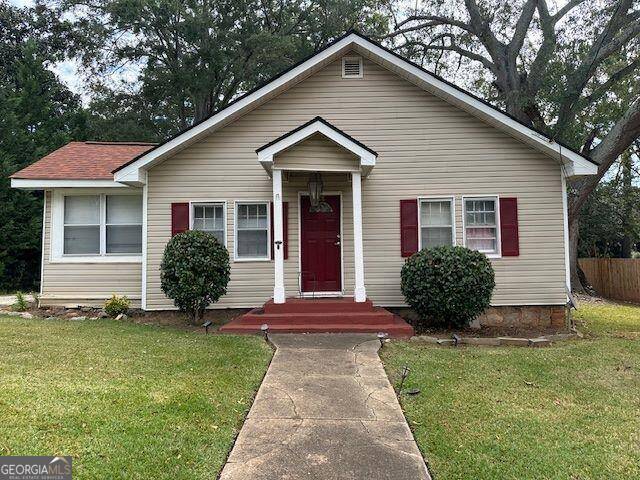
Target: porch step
[[330, 315], [318, 305], [376, 316]]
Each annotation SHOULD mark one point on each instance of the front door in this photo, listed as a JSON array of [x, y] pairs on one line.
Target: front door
[[320, 247]]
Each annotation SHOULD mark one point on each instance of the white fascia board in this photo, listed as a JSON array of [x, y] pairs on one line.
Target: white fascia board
[[366, 157], [472, 105], [30, 184], [146, 161]]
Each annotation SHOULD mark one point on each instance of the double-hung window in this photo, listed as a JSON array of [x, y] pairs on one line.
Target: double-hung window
[[209, 217], [252, 231], [100, 225], [437, 226], [481, 224]]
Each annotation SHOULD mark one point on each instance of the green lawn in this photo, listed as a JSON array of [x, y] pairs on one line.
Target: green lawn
[[571, 411], [125, 400]]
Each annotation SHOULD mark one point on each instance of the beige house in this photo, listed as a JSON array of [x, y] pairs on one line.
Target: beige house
[[395, 159]]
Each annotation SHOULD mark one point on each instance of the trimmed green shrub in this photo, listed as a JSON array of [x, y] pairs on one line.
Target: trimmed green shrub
[[194, 272], [21, 303], [448, 286], [117, 305]]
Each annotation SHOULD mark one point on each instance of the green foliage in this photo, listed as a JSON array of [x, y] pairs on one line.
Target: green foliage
[[447, 285], [21, 303], [195, 57], [37, 115], [194, 271], [117, 305], [610, 221]]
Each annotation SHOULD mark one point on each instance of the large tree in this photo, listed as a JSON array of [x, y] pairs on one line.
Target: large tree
[[572, 73], [37, 115], [610, 221], [195, 56]]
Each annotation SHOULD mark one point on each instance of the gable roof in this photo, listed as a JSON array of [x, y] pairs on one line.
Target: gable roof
[[319, 125], [576, 164], [83, 161]]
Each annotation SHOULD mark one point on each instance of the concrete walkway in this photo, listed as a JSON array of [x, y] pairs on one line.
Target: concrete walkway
[[325, 410]]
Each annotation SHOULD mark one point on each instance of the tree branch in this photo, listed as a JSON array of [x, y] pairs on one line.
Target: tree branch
[[566, 9], [623, 134], [452, 48], [613, 79], [522, 27], [430, 21]]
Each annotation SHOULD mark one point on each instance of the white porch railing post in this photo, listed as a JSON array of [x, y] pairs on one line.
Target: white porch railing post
[[277, 241], [360, 294]]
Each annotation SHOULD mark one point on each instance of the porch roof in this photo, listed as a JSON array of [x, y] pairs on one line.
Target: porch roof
[[319, 125]]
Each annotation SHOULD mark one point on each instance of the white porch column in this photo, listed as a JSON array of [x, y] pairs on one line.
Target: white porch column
[[360, 294], [277, 245]]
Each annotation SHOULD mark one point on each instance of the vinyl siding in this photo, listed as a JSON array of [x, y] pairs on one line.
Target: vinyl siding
[[425, 147], [317, 153], [86, 284]]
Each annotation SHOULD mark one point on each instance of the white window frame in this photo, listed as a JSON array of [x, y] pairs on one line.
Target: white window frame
[[205, 203], [57, 254], [236, 204], [353, 57], [429, 199], [496, 199]]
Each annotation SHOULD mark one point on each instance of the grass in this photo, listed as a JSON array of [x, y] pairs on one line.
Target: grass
[[125, 400], [611, 319], [570, 411]]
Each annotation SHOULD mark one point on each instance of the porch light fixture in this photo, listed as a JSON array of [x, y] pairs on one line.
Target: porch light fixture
[[381, 337], [264, 328], [316, 185], [206, 326]]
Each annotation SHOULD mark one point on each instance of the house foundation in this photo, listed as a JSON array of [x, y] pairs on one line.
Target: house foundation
[[528, 316]]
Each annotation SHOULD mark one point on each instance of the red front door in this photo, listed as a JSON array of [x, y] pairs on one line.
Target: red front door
[[320, 247]]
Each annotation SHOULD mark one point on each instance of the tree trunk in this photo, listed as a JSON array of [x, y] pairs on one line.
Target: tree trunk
[[576, 280], [627, 205]]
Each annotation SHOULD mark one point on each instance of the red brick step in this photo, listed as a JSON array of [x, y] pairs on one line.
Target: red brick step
[[341, 315]]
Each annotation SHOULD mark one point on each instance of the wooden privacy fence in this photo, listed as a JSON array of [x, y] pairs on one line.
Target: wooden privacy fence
[[616, 278]]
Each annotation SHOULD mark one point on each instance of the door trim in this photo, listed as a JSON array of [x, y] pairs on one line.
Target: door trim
[[320, 294]]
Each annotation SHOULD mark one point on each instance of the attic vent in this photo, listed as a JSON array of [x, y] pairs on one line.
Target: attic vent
[[352, 67]]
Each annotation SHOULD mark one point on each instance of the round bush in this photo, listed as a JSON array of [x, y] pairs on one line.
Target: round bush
[[194, 271], [447, 285]]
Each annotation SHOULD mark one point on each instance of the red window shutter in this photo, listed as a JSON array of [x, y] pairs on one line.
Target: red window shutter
[[509, 227], [408, 227], [179, 218], [285, 229]]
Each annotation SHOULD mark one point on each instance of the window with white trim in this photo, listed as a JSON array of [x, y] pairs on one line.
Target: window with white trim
[[481, 224], [102, 225], [436, 222], [252, 231], [209, 217]]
